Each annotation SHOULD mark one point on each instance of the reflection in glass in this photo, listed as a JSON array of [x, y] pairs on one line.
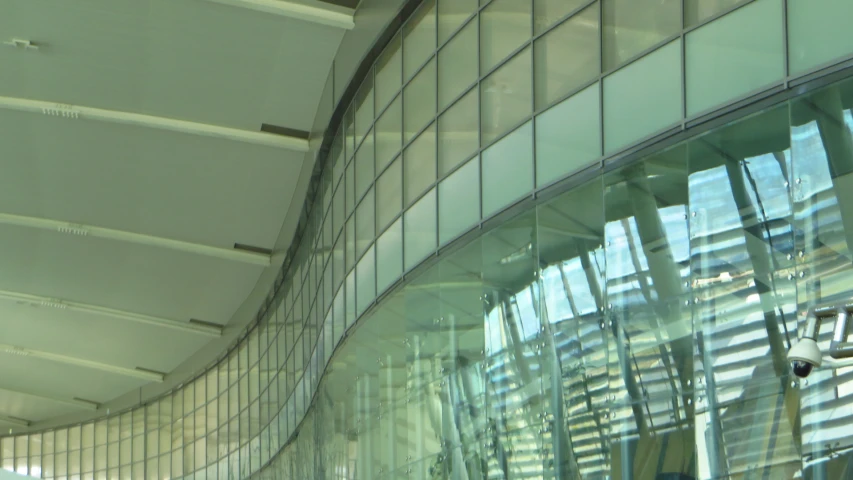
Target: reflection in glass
[[632, 26], [506, 96], [458, 133], [457, 65], [419, 40], [566, 57], [504, 27]]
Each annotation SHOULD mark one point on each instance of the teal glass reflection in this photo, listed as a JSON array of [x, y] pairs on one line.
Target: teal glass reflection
[[650, 329]]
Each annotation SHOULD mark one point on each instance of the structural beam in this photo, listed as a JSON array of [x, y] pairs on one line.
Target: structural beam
[[63, 304], [139, 373], [20, 422], [76, 112], [295, 10], [75, 402], [244, 256]]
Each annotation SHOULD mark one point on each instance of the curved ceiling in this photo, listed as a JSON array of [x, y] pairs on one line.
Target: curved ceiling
[[151, 152]]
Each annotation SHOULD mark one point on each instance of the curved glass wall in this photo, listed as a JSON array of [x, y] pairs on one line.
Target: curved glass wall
[[633, 327], [472, 108]]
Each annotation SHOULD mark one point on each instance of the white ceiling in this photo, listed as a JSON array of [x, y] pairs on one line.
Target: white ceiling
[[151, 200]]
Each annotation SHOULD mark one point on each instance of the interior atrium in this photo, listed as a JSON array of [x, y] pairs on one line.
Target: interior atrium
[[426, 239]]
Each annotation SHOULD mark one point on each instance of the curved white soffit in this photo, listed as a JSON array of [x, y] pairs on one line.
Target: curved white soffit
[[150, 121], [295, 10]]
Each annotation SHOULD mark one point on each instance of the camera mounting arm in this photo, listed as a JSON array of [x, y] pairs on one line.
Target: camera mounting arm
[[839, 347]]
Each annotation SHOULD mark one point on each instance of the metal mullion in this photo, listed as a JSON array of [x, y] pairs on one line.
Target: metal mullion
[[560, 21], [566, 96], [716, 16], [786, 45], [441, 44], [533, 96], [683, 82], [479, 132], [601, 76]]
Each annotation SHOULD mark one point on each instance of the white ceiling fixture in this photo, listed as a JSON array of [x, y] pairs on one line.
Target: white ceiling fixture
[[140, 373], [63, 304], [21, 44], [245, 256], [295, 10], [149, 121]]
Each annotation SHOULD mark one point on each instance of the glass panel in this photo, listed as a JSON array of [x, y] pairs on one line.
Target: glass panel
[[451, 14], [364, 168], [366, 278], [389, 136], [735, 55], [419, 38], [643, 98], [506, 96], [389, 256], [568, 136], [816, 33], [697, 11], [575, 360], [458, 133], [365, 223], [508, 170], [459, 201], [420, 230], [389, 195], [741, 239], [389, 73], [504, 27], [632, 26], [363, 104], [549, 12], [419, 101], [457, 65], [419, 165], [651, 330], [567, 57], [822, 172]]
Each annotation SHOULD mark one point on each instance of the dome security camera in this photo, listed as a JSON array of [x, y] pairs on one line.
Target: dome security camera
[[805, 356]]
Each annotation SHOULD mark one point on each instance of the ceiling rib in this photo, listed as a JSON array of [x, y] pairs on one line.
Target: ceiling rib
[[63, 304], [80, 362], [73, 112], [19, 422], [298, 11], [130, 237], [86, 405]]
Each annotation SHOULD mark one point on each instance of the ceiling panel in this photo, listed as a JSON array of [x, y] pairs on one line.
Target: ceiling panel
[[94, 337], [187, 59], [186, 187], [65, 381], [118, 275]]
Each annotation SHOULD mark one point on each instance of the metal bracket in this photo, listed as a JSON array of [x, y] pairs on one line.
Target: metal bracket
[[839, 347]]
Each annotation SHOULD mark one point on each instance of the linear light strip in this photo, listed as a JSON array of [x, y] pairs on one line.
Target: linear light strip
[[86, 405], [120, 235], [151, 121], [63, 304], [80, 362], [294, 10]]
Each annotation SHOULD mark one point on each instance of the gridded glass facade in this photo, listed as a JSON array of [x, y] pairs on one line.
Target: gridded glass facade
[[630, 328]]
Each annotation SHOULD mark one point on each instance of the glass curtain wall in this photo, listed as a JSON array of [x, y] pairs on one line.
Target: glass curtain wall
[[473, 107], [634, 327]]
